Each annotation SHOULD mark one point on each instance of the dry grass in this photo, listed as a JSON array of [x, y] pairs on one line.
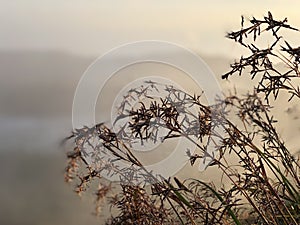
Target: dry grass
[[264, 186]]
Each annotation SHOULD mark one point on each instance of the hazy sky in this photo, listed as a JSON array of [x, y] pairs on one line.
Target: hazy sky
[[92, 27]]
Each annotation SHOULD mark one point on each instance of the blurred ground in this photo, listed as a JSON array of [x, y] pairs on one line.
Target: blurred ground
[[33, 192]]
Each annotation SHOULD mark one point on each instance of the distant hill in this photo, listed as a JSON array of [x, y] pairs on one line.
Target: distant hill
[[39, 83], [43, 83]]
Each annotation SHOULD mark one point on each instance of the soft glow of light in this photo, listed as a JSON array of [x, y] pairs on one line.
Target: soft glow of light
[[94, 27]]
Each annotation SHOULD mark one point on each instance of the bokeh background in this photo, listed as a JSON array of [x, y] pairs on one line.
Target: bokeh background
[[45, 47]]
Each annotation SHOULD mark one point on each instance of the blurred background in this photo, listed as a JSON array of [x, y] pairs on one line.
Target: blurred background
[[46, 46]]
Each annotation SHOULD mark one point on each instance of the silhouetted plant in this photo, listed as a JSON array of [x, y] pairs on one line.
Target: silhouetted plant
[[260, 60], [264, 188]]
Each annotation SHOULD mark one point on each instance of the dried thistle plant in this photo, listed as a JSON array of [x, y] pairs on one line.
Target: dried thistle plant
[[264, 188]]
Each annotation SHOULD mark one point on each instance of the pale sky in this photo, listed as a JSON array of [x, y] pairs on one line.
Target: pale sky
[[93, 27]]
